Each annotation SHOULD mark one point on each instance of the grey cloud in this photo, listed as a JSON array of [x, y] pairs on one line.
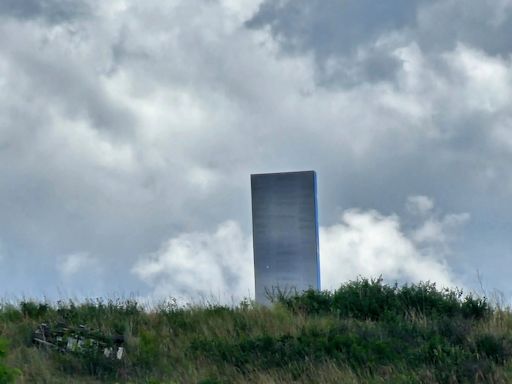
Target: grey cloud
[[485, 24], [333, 27], [52, 11], [373, 66], [354, 41], [337, 29]]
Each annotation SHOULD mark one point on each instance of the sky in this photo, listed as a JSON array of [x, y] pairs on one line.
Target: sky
[[129, 130]]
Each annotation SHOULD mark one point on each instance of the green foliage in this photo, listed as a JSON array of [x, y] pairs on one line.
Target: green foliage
[[498, 349], [94, 311], [34, 310], [10, 313], [370, 299], [363, 332], [363, 346], [7, 375], [148, 351], [89, 362], [209, 381]]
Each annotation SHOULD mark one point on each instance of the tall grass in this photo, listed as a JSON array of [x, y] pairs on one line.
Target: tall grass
[[364, 332], [7, 374]]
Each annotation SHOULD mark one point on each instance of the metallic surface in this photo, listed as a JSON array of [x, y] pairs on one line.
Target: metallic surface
[[285, 232]]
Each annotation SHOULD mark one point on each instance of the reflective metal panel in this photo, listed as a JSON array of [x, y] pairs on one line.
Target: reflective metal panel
[[285, 232]]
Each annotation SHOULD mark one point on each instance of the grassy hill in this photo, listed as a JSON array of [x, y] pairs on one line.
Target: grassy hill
[[364, 332]]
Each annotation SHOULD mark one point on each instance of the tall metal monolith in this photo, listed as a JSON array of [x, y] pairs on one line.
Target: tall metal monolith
[[285, 233]]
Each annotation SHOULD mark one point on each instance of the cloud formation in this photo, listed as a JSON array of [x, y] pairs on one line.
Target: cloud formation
[[211, 266], [369, 244], [353, 41], [123, 124], [218, 266]]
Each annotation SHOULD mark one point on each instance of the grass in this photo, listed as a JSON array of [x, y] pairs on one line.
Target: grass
[[364, 332]]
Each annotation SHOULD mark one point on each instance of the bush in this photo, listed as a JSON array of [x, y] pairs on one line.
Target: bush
[[370, 299]]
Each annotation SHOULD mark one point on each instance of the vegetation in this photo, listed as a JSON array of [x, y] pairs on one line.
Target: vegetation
[[364, 332], [7, 375]]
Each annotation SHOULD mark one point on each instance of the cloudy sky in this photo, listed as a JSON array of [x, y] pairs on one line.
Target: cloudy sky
[[129, 129]]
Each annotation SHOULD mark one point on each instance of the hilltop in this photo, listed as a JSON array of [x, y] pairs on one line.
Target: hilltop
[[364, 332]]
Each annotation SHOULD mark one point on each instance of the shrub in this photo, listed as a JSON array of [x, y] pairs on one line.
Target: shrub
[[371, 299], [365, 299]]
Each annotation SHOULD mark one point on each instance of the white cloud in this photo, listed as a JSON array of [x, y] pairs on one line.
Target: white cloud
[[369, 244], [219, 265], [438, 230], [215, 266], [485, 79], [242, 9]]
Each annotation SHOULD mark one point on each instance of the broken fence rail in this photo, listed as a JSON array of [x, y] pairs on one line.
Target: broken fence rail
[[78, 340]]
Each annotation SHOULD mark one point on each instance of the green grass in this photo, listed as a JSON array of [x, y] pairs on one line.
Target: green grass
[[364, 332]]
